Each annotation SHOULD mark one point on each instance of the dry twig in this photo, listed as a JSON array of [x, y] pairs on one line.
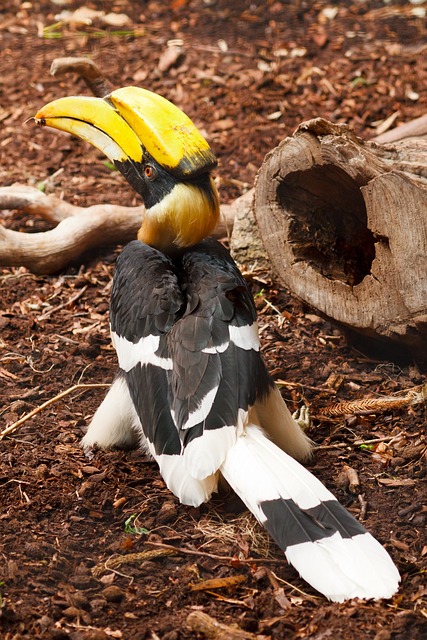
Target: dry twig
[[358, 443], [63, 305], [294, 588], [210, 628], [218, 583], [363, 506], [214, 556], [76, 387]]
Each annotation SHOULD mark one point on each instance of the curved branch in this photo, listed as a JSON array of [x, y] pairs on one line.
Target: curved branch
[[50, 251], [78, 228], [34, 202]]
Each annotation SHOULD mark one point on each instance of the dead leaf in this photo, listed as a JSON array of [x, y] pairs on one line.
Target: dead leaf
[[89, 469], [116, 19], [298, 52], [223, 125], [140, 76], [113, 634], [387, 123], [398, 544], [334, 381], [282, 599], [178, 4], [353, 478], [320, 39], [81, 16], [170, 58], [329, 13], [274, 116]]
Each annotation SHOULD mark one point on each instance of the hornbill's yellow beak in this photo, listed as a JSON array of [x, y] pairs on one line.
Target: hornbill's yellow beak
[[160, 152], [130, 123]]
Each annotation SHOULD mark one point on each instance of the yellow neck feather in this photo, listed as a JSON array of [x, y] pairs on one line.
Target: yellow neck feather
[[182, 219]]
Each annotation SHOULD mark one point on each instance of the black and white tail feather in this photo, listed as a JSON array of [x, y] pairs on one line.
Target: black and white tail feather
[[193, 390], [331, 550]]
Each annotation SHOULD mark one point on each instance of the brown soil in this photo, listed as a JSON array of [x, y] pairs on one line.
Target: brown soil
[[63, 514]]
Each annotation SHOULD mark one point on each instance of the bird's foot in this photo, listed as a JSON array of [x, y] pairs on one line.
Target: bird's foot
[[302, 417]]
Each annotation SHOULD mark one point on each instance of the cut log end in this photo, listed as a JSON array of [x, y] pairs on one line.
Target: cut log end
[[343, 222]]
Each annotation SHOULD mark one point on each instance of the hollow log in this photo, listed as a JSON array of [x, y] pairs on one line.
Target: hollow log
[[345, 225]]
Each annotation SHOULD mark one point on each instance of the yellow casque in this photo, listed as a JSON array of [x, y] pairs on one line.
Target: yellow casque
[[130, 121]]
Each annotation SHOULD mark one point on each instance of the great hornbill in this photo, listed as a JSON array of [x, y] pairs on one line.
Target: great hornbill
[[192, 387]]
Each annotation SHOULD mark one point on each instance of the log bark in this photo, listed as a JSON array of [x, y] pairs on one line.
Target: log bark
[[344, 223], [246, 245]]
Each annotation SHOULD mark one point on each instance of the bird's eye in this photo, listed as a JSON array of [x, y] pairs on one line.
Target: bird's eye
[[150, 172]]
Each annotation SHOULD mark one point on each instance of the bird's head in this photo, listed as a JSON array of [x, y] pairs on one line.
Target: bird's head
[[159, 151]]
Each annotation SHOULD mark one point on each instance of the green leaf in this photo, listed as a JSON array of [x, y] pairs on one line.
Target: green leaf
[[130, 528], [359, 82], [109, 165]]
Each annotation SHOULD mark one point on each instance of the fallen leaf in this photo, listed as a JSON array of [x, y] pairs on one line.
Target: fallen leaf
[[320, 39], [282, 599], [223, 125], [329, 12], [178, 4], [116, 19], [274, 116], [170, 57], [89, 469], [298, 52], [81, 16], [113, 634]]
